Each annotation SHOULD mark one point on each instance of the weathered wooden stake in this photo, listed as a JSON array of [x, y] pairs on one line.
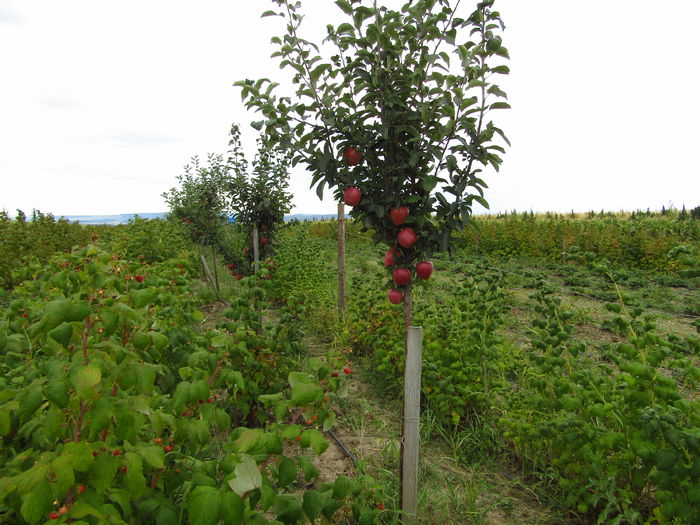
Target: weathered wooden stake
[[207, 272], [216, 271], [341, 261], [411, 425], [256, 250]]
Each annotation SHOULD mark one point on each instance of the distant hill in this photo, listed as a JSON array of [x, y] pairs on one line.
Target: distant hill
[[124, 218], [111, 219]]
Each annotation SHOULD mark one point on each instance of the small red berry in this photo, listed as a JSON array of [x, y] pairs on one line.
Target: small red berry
[[209, 400], [159, 440], [54, 515], [168, 448], [380, 506], [139, 278], [81, 489], [335, 374], [346, 369], [298, 438], [117, 452]]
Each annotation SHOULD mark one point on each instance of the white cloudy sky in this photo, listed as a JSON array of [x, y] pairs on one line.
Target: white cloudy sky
[[102, 103]]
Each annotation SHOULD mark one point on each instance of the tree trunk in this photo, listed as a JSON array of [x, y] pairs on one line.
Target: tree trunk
[[341, 261]]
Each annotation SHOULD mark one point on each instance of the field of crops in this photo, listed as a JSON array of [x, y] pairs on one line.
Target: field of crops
[[130, 394]]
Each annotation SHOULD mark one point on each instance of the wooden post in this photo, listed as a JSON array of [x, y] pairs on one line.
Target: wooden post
[[209, 275], [411, 424], [256, 250], [216, 271], [341, 261], [563, 248]]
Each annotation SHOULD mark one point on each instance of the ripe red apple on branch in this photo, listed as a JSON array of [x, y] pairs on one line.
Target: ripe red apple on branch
[[352, 196], [402, 276], [407, 237], [389, 257], [352, 156], [424, 269], [398, 215], [395, 296]]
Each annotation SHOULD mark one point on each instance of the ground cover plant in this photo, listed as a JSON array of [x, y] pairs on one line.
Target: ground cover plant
[[597, 413], [115, 408]]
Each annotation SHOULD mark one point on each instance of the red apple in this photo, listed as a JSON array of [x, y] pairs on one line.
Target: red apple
[[395, 296], [407, 237], [398, 215], [424, 269], [352, 196], [352, 156], [389, 258], [402, 276]]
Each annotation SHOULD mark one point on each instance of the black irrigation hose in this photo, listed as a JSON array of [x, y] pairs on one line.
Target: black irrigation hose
[[343, 447]]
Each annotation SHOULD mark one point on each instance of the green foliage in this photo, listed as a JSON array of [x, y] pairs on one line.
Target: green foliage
[[113, 408], [23, 241], [412, 91], [604, 431], [200, 201], [260, 199], [637, 241]]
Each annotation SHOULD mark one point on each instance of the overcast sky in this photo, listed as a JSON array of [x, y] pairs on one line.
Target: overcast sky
[[102, 103]]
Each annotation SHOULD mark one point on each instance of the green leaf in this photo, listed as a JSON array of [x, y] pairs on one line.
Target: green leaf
[[182, 395], [203, 506], [56, 391], [85, 380], [30, 402], [103, 471], [286, 472], [232, 508], [80, 455], [37, 503], [63, 470], [4, 422], [62, 334], [141, 298], [317, 441], [308, 468], [135, 480], [429, 183], [341, 487], [345, 6], [247, 476], [199, 431], [248, 440], [304, 394], [269, 13], [287, 508], [152, 455], [314, 501]]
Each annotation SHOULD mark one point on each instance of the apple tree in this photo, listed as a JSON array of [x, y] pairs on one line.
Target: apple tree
[[393, 113], [259, 199], [200, 201]]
